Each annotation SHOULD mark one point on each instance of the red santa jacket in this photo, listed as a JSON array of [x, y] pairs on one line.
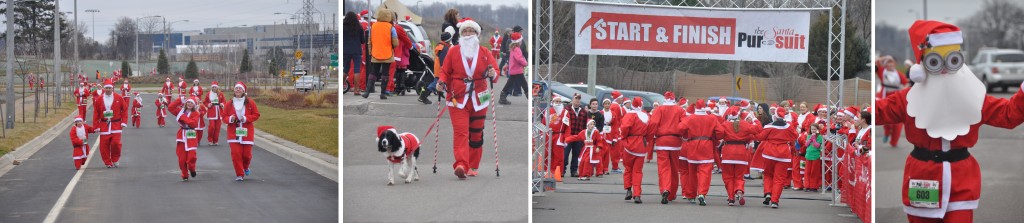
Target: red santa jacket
[[181, 87], [702, 130], [634, 130], [117, 107], [664, 126], [804, 121], [776, 141], [611, 129], [202, 116], [167, 88], [196, 91], [78, 139], [161, 105], [214, 102], [589, 142], [81, 94], [410, 143], [616, 122], [559, 127], [453, 74], [496, 43], [126, 90], [736, 135], [240, 117], [187, 120], [137, 107]]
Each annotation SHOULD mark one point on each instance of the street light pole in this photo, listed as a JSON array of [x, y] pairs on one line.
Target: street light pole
[[10, 65], [93, 11], [74, 39], [56, 52]]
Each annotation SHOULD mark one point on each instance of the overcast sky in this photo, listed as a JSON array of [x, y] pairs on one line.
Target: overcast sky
[[200, 13], [412, 3], [903, 13]]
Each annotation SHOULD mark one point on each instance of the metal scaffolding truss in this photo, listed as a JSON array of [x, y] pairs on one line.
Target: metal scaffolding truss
[[544, 46]]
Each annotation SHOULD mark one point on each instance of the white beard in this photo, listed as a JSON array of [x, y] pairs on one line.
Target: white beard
[[469, 46], [947, 105]]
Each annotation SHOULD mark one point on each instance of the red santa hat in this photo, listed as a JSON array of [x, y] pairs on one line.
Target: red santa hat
[[682, 101], [744, 104], [638, 103], [196, 80], [723, 98], [670, 98], [733, 112], [780, 113], [820, 107], [408, 18], [136, 93], [699, 105], [78, 118], [364, 13], [616, 94], [107, 83], [214, 84], [190, 100], [468, 23], [926, 34], [382, 129], [516, 37], [852, 111], [240, 85]]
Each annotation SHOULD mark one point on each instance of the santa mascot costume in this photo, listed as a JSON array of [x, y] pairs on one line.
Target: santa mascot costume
[[126, 94], [664, 125], [108, 118], [634, 130], [80, 142], [890, 81], [616, 111], [942, 113], [196, 90], [464, 76], [240, 114]]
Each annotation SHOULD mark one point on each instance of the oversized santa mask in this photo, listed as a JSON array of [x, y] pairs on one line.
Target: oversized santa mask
[[947, 98]]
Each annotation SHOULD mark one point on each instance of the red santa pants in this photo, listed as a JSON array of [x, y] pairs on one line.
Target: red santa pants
[[732, 175], [241, 155], [467, 137], [797, 173], [586, 168], [893, 132], [110, 148], [812, 174], [137, 121], [634, 173], [602, 159], [685, 184], [391, 78], [214, 127], [961, 216], [614, 155], [775, 177], [186, 160], [556, 156], [668, 172], [81, 109], [81, 151], [160, 120], [700, 177]]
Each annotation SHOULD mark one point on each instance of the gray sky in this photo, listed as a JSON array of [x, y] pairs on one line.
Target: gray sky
[[411, 3], [897, 12], [200, 13]]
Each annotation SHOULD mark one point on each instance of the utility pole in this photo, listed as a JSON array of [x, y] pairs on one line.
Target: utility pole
[[74, 39], [56, 52], [10, 64], [93, 11]]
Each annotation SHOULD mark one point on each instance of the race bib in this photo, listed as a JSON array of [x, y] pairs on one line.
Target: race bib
[[484, 97], [606, 129], [924, 193], [108, 114], [803, 164], [240, 131], [213, 100], [588, 143], [190, 134]]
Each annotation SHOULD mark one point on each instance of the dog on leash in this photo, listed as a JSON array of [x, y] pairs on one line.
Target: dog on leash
[[402, 149]]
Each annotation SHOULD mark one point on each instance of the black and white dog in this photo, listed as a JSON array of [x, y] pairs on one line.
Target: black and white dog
[[402, 149]]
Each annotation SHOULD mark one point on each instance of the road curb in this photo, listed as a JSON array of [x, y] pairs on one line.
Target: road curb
[[32, 146], [356, 107], [321, 163]]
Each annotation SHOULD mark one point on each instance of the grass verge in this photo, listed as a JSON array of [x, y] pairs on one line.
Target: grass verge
[[24, 132], [316, 128]]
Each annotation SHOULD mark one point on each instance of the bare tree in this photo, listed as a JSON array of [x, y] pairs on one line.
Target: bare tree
[[122, 38], [785, 78]]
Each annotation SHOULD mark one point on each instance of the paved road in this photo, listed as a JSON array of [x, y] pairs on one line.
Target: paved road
[[437, 197], [147, 186], [601, 200], [998, 152]]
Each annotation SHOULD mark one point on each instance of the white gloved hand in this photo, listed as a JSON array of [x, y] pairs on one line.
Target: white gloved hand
[[917, 73]]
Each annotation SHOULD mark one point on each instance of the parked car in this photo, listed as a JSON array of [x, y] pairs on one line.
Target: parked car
[[999, 67], [648, 97], [583, 87], [308, 83], [732, 100], [566, 92]]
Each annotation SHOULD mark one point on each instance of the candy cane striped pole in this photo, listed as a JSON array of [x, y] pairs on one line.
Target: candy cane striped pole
[[494, 125], [436, 137]]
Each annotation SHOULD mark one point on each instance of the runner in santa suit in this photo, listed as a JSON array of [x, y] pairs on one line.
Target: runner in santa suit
[[559, 130], [464, 76], [736, 134], [80, 141], [187, 116], [702, 130], [240, 114], [213, 101], [667, 142], [108, 119], [942, 114], [634, 130], [496, 44], [126, 93], [196, 90], [802, 117], [776, 139], [608, 134], [201, 108], [182, 88], [167, 90], [689, 190], [588, 156], [617, 111], [890, 81], [82, 98], [649, 141], [161, 103], [137, 111]]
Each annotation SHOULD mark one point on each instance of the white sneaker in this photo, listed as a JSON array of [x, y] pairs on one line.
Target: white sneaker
[[117, 164], [239, 179]]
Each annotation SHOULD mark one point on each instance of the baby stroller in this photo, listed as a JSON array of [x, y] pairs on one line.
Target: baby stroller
[[419, 74]]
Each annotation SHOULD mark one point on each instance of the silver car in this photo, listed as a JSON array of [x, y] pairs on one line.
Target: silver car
[[308, 83], [999, 67]]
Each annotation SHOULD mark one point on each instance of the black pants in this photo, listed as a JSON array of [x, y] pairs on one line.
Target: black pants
[[400, 79], [377, 71], [515, 82], [352, 62], [503, 57], [574, 148]]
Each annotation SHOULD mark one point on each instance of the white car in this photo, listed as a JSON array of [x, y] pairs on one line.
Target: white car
[[418, 35], [999, 67], [308, 83]]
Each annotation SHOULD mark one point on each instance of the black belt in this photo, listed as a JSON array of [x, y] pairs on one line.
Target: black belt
[[108, 121], [701, 138], [668, 135], [735, 142], [952, 155]]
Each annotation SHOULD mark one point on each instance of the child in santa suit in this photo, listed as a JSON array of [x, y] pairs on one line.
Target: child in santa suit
[[109, 118], [633, 131], [81, 98], [126, 93], [240, 114], [559, 129], [702, 130], [213, 101], [667, 142], [589, 158], [609, 134], [776, 155], [161, 103], [80, 141], [137, 111], [464, 77], [736, 134], [812, 140], [942, 114], [187, 115]]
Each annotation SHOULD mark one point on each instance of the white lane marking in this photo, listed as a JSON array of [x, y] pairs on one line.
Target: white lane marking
[[57, 207]]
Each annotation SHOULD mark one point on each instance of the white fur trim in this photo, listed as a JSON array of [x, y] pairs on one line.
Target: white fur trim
[[917, 74], [701, 161], [784, 160], [672, 148], [241, 86], [740, 162], [946, 38], [468, 24]]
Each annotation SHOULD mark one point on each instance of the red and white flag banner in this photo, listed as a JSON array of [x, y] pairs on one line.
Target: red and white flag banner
[[770, 35]]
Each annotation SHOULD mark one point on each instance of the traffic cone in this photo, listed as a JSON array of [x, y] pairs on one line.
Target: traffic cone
[[558, 174]]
